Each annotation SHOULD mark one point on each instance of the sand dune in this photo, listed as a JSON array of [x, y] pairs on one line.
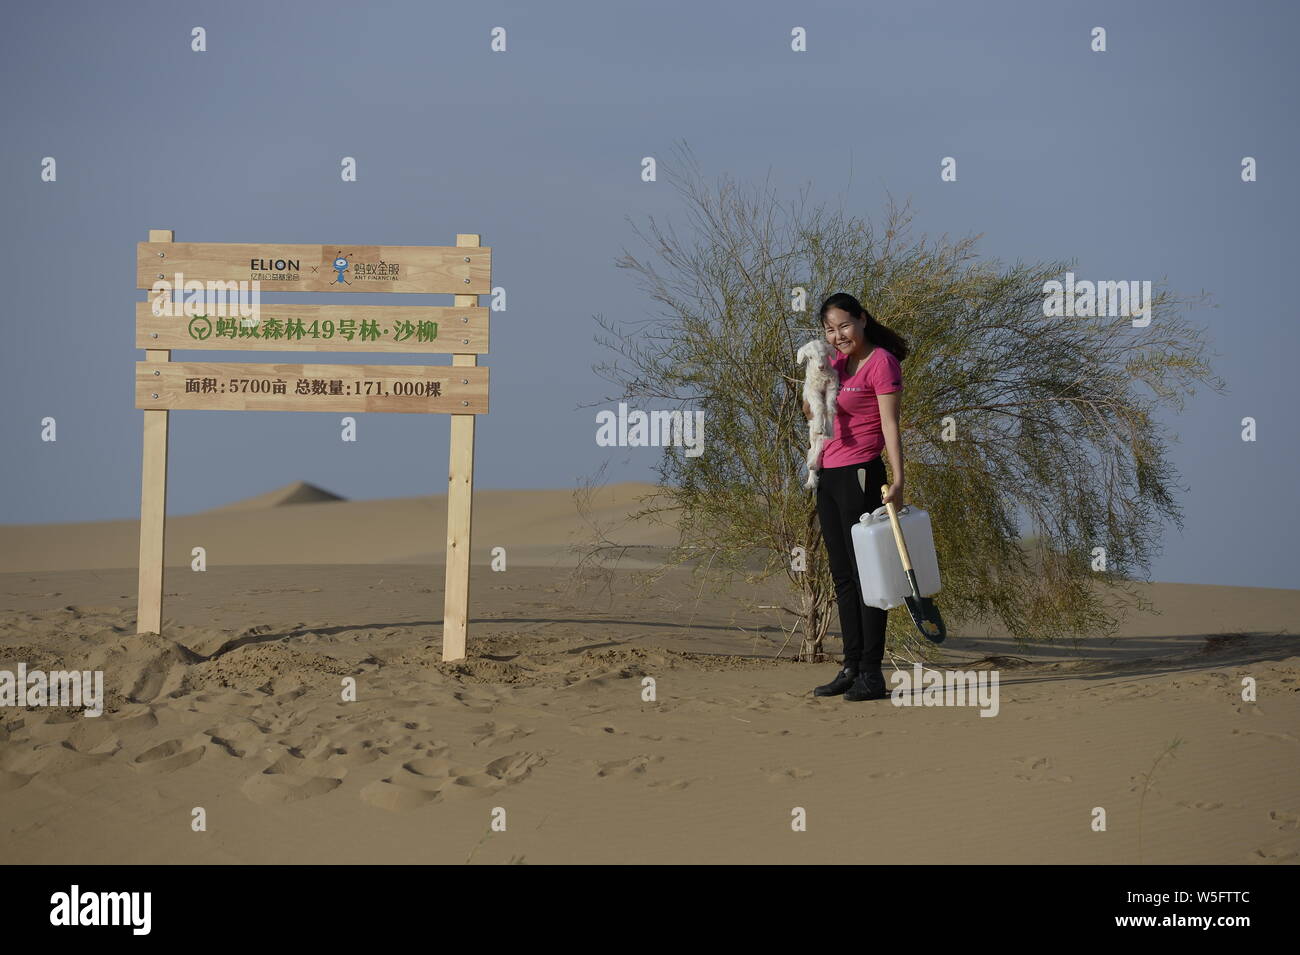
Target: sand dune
[[267, 530], [299, 492], [237, 708]]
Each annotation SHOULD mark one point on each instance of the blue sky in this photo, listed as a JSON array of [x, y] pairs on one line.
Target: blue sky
[[1125, 161]]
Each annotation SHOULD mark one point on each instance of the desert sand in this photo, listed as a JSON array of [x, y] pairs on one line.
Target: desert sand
[[236, 708]]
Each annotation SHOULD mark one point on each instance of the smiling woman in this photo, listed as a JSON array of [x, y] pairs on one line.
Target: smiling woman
[[852, 473]]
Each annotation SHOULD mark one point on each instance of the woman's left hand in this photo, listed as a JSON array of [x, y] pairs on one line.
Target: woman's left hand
[[894, 496]]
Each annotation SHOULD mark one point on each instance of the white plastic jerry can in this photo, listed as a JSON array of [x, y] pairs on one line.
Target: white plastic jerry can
[[880, 567]]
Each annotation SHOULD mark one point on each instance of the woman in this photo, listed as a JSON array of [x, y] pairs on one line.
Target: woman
[[866, 423]]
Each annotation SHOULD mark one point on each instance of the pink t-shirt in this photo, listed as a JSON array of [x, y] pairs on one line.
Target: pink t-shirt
[[857, 436]]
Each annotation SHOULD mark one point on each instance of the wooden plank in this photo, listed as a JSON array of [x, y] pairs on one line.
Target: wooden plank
[[250, 386], [153, 496], [404, 329], [460, 508], [312, 268]]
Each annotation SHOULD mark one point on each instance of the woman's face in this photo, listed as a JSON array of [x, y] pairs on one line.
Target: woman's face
[[843, 331]]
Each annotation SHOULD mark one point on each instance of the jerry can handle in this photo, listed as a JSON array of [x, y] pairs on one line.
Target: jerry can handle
[[883, 512]]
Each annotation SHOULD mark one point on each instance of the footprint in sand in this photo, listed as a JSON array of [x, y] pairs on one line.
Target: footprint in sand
[[593, 729], [315, 746], [346, 756], [475, 702], [1287, 821], [224, 702], [168, 757], [10, 781], [370, 751], [55, 727], [493, 734], [785, 775], [397, 795], [622, 768], [887, 774], [503, 771], [94, 736], [132, 725], [288, 696], [392, 727], [1200, 804], [292, 778], [1036, 768], [429, 778], [1284, 737], [236, 739], [229, 747], [52, 758], [1275, 853]]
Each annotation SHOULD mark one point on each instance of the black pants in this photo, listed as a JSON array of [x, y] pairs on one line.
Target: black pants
[[843, 495]]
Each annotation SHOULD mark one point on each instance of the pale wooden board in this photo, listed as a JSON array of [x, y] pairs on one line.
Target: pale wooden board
[[464, 391], [459, 330], [153, 497], [420, 268], [460, 510]]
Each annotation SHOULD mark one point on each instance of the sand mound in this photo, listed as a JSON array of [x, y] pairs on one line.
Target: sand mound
[[299, 492]]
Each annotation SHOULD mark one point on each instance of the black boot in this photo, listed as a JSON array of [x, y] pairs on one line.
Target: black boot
[[843, 680], [870, 685]]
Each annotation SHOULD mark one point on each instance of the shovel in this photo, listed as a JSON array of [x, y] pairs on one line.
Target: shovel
[[923, 610]]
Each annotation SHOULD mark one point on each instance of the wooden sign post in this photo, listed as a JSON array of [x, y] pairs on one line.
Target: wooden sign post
[[180, 316]]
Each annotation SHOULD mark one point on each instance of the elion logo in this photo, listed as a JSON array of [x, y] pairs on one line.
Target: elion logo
[[102, 908]]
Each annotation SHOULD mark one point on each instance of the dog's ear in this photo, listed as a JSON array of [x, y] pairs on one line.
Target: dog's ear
[[809, 349]]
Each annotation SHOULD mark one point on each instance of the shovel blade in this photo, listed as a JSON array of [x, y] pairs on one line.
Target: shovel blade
[[925, 614]]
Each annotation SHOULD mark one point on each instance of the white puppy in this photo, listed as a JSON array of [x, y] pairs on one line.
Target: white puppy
[[821, 386]]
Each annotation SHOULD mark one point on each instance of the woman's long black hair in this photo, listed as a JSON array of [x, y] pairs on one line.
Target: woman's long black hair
[[879, 335]]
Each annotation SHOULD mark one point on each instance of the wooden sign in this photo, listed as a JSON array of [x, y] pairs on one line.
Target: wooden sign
[[243, 386], [176, 317], [428, 330], [456, 270]]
